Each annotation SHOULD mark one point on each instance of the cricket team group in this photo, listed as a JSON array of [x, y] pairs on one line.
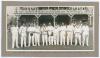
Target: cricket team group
[[49, 35]]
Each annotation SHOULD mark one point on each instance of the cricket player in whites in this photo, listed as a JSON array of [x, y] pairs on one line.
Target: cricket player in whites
[[44, 34], [31, 29], [14, 32], [62, 34], [50, 29], [22, 32], [56, 35], [77, 33], [37, 35], [70, 29], [29, 35], [85, 34]]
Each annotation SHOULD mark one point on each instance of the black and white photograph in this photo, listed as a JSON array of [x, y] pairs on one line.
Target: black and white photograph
[[50, 28]]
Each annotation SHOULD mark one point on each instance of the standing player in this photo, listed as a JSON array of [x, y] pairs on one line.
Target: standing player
[[14, 32], [50, 29], [62, 34], [37, 35], [31, 37], [56, 35], [70, 29], [44, 34], [77, 32], [85, 34], [22, 32]]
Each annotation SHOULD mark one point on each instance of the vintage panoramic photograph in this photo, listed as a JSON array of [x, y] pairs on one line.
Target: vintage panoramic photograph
[[50, 28]]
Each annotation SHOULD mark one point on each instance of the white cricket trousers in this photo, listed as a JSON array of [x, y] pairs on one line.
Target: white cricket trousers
[[85, 38], [69, 38], [62, 39], [23, 40], [77, 38], [37, 39], [50, 40], [15, 40], [56, 39], [44, 39], [31, 39]]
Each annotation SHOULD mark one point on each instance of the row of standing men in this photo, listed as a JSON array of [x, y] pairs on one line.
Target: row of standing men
[[50, 35]]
